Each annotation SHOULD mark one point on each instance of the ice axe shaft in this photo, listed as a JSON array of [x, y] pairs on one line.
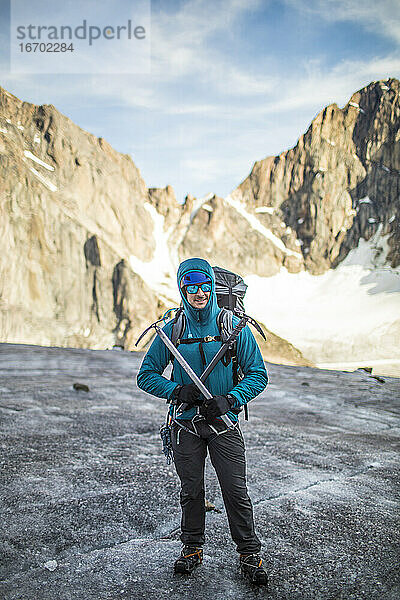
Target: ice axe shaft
[[196, 380], [224, 348]]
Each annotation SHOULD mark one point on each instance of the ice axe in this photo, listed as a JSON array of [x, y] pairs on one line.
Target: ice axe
[[196, 380], [199, 381]]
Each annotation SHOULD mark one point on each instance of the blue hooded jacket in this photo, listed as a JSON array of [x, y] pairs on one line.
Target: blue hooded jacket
[[199, 324]]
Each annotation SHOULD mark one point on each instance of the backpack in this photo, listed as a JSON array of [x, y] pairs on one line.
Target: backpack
[[230, 290]]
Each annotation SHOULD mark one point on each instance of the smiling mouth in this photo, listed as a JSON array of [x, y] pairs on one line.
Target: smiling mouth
[[200, 300]]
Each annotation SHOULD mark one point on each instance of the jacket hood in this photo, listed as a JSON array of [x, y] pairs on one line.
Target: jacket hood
[[211, 309]]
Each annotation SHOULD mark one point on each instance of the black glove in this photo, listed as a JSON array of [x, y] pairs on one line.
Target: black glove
[[217, 406], [189, 395]]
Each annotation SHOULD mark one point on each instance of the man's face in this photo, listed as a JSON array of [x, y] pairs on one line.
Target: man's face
[[198, 299]]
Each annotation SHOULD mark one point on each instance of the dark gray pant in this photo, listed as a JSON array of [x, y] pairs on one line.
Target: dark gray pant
[[227, 454]]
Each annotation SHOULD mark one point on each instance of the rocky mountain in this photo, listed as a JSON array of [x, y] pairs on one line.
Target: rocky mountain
[[72, 211], [89, 253], [311, 204]]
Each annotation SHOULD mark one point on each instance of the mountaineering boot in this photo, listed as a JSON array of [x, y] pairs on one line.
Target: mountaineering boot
[[189, 558], [251, 567]]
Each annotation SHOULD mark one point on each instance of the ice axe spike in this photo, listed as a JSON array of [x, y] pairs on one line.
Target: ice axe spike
[[148, 329]]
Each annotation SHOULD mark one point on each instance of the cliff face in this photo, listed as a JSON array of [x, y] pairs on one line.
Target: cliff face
[[72, 212], [88, 254], [338, 184], [228, 232], [307, 207]]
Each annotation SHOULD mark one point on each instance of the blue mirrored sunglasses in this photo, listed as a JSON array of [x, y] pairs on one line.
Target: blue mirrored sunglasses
[[194, 288]]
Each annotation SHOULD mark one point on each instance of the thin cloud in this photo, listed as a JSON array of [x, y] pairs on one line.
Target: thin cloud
[[382, 16]]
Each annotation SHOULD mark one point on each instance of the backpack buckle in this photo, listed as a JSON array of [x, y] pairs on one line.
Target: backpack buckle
[[209, 338]]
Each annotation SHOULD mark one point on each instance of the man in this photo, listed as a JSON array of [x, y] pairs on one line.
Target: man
[[197, 425]]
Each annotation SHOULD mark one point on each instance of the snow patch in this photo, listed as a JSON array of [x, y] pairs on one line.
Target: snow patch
[[365, 200], [207, 207], [43, 180], [37, 160], [265, 209], [357, 106], [36, 139], [300, 221], [198, 204], [159, 273], [2, 130], [349, 365], [392, 218], [348, 313], [256, 225]]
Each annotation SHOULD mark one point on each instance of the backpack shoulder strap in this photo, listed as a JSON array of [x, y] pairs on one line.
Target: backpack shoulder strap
[[178, 326], [225, 326], [225, 323]]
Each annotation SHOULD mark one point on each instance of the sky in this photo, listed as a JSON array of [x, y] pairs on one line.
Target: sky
[[231, 82]]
